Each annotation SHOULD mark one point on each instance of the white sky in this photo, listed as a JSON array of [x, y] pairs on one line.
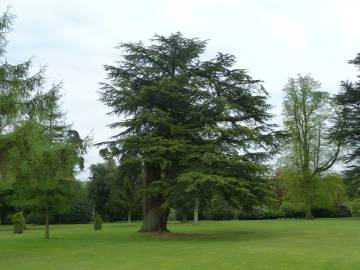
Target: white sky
[[274, 40]]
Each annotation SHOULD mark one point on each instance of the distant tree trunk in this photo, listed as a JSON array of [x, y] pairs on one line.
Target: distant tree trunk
[[183, 218], [309, 214], [196, 210], [129, 216], [183, 215], [309, 190], [47, 232], [154, 213], [93, 212]]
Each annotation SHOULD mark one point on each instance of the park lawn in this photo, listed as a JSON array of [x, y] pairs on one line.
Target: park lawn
[[272, 244]]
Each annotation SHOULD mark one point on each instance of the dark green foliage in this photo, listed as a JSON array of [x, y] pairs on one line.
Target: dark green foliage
[[99, 185], [219, 209], [348, 125], [352, 181], [289, 211], [184, 214], [97, 222], [6, 207], [193, 123], [263, 213], [115, 191], [19, 222], [79, 208], [341, 211]]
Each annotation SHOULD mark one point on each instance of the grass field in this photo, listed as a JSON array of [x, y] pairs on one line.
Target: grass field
[[278, 244]]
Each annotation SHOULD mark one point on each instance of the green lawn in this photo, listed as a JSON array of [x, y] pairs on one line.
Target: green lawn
[[264, 245]]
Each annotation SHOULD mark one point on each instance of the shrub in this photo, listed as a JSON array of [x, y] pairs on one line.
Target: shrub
[[97, 222], [261, 213], [221, 213], [355, 207], [342, 211], [291, 211], [184, 214], [333, 212], [19, 222]]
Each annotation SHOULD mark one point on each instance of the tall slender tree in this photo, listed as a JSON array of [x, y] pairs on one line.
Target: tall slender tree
[[309, 118]]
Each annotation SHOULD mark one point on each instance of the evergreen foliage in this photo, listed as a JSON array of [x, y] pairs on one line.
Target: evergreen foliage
[[97, 222], [187, 118], [348, 124], [19, 222], [115, 190], [39, 153]]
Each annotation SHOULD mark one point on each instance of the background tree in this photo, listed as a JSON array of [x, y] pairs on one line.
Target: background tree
[[17, 91], [39, 153], [183, 115], [99, 186], [348, 130], [311, 149], [18, 88], [127, 187], [348, 125], [115, 190], [45, 158], [79, 206]]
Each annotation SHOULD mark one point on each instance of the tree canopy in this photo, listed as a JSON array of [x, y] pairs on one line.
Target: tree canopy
[[187, 118]]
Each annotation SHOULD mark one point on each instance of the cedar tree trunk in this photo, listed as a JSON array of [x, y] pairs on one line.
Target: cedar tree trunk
[[154, 214]]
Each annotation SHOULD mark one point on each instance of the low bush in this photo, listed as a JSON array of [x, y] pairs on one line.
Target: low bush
[[19, 222], [97, 222], [261, 213], [334, 212]]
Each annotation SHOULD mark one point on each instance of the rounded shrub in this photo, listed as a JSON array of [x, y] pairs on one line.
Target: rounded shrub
[[19, 222], [97, 222]]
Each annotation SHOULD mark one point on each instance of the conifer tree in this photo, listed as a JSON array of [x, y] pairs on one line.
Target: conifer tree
[[39, 153], [187, 118], [348, 124], [18, 88]]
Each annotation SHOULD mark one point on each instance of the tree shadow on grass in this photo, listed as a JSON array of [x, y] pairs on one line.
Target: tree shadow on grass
[[10, 228], [239, 235]]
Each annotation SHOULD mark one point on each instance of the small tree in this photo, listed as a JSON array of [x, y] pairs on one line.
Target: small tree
[[97, 222], [19, 223]]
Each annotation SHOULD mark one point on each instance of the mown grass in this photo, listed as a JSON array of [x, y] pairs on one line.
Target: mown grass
[[274, 244]]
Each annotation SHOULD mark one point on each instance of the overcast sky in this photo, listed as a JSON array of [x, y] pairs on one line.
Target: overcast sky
[[273, 40]]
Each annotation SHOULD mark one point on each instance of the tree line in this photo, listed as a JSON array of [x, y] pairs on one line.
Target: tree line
[[194, 139]]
